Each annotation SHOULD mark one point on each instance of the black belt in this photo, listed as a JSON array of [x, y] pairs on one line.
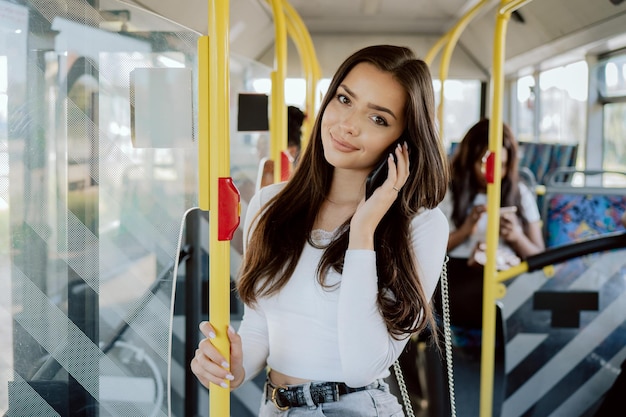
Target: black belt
[[321, 392]]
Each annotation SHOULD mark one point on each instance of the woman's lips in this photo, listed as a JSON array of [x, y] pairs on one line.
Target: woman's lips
[[341, 145]]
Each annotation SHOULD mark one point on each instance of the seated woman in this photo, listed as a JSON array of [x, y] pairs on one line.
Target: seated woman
[[520, 236], [466, 210]]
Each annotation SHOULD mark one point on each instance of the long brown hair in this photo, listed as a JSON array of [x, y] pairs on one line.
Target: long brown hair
[[284, 227], [465, 185]]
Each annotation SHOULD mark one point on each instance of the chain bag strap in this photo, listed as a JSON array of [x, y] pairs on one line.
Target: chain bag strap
[[447, 335], [402, 385]]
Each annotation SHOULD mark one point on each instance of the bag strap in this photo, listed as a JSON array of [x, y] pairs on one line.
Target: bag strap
[[402, 385], [447, 335]]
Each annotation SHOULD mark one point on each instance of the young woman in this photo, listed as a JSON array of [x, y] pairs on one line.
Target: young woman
[[466, 210], [333, 283], [465, 204]]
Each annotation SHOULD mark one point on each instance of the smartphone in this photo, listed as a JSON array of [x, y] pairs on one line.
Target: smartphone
[[510, 209], [379, 174]]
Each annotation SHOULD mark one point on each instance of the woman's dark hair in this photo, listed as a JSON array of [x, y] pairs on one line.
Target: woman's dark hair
[[464, 185], [284, 227], [295, 118]]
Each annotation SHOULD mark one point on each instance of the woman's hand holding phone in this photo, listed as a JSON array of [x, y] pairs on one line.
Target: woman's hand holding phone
[[372, 209], [510, 227], [509, 209], [379, 174]]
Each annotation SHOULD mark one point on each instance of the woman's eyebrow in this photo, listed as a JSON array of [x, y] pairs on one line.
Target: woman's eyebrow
[[370, 105]]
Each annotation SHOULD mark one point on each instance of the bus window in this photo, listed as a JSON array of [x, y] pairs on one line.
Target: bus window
[[525, 109], [554, 112], [612, 88], [614, 137], [462, 107], [563, 101]]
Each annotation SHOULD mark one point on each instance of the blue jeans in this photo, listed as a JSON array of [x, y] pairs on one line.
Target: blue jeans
[[378, 402]]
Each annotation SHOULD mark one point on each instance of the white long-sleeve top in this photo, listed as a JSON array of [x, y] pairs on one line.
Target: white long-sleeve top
[[307, 332]]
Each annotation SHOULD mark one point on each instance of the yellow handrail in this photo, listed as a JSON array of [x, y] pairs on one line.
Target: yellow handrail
[[452, 37], [278, 117], [203, 124], [302, 39], [434, 50], [217, 193], [508, 7], [512, 272], [490, 285]]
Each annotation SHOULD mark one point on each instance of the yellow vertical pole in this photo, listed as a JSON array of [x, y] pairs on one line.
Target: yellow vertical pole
[[451, 39], [494, 181], [278, 117], [222, 196], [203, 124], [301, 37]]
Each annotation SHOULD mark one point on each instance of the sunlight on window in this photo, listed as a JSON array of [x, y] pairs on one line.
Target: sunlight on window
[[614, 117], [3, 74], [295, 90], [262, 85], [563, 100], [525, 89], [525, 108], [570, 78], [322, 89], [461, 109], [610, 74]]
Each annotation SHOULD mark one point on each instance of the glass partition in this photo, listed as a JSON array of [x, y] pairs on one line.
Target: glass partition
[[98, 164]]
